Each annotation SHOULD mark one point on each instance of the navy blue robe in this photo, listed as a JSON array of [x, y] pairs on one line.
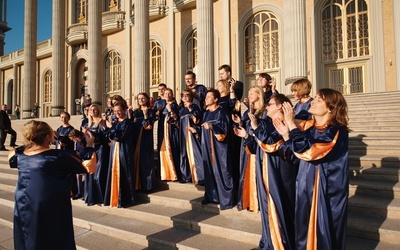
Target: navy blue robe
[[301, 110], [216, 159], [42, 211], [95, 184], [190, 147], [120, 185], [322, 187], [276, 189], [169, 151], [64, 139], [143, 149]]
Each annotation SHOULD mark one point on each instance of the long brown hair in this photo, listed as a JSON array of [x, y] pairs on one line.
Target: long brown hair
[[336, 103]]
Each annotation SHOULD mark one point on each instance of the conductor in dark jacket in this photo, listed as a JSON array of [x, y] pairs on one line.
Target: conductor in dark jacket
[[5, 128]]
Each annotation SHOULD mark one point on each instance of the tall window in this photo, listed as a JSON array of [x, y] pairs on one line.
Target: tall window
[[81, 11], [261, 38], [113, 72], [345, 38], [48, 80], [155, 63], [191, 51]]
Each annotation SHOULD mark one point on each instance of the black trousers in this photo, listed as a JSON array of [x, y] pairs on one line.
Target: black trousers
[[3, 136]]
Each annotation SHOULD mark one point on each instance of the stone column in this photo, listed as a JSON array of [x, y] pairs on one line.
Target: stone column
[[95, 72], [171, 48], [295, 40], [128, 56], [205, 42], [226, 35], [15, 88], [396, 6], [141, 47], [58, 58], [30, 38]]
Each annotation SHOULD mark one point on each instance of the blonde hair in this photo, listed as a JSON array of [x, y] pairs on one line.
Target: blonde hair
[[302, 86], [225, 84], [35, 132], [90, 117], [259, 105]]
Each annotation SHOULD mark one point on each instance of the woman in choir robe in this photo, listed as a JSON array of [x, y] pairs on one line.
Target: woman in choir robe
[[169, 150], [322, 185], [247, 189], [63, 142], [61, 134], [275, 179], [215, 151], [120, 184], [143, 120], [42, 210], [301, 90], [95, 184], [191, 165], [229, 103]]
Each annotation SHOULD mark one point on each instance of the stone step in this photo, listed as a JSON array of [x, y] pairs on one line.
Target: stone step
[[359, 225], [373, 173], [372, 206], [374, 140], [372, 132], [370, 123], [84, 238], [377, 161], [378, 188], [388, 150], [373, 118], [142, 231]]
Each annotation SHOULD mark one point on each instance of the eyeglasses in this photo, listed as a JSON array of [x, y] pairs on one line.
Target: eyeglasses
[[185, 95], [271, 103]]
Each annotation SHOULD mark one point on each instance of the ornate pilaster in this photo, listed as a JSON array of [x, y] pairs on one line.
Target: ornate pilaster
[[30, 38], [295, 40], [205, 41], [58, 58], [141, 47], [95, 76]]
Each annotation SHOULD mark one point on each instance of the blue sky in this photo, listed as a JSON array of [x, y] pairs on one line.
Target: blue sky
[[15, 19]]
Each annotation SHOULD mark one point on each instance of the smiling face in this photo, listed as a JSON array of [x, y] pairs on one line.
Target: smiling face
[[119, 112], [262, 82], [94, 111], [189, 80], [253, 96], [142, 100], [64, 118], [318, 107], [274, 108], [210, 99], [168, 96]]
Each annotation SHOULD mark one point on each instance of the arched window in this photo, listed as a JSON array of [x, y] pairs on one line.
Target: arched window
[[261, 41], [191, 51], [155, 63], [48, 80], [345, 39], [113, 72]]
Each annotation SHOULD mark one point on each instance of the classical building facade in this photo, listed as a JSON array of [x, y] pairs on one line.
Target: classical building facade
[[130, 46]]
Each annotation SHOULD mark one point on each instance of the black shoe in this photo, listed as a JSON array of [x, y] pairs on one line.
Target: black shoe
[[3, 149], [14, 146], [205, 202]]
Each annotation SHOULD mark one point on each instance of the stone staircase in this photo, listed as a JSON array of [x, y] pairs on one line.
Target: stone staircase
[[172, 216]]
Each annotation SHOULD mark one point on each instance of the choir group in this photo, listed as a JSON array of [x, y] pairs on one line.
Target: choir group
[[288, 163]]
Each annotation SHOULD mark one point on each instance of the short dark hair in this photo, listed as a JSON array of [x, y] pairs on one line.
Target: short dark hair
[[215, 93], [226, 67], [162, 85], [191, 73]]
